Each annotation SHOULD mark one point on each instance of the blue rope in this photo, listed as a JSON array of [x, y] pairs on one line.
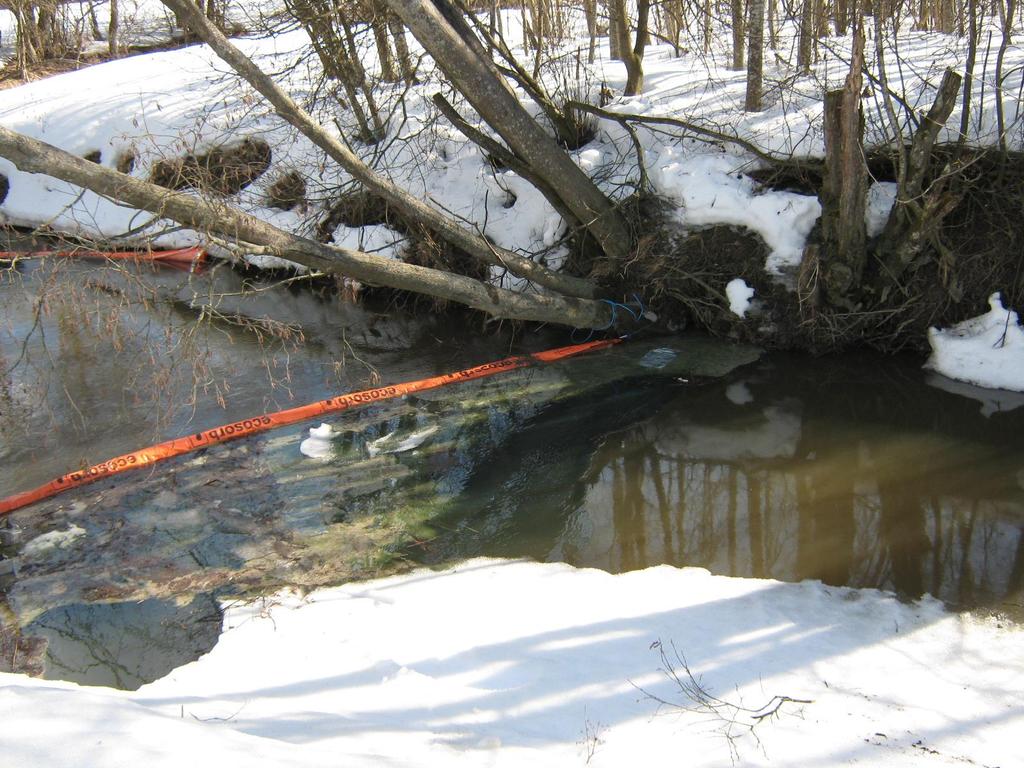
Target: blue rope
[[641, 303], [614, 305]]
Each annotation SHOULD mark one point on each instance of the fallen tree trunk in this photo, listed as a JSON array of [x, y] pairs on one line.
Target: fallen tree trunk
[[33, 156], [412, 208]]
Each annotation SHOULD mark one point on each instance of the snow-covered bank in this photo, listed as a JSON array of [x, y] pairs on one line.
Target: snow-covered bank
[[508, 663], [166, 104]]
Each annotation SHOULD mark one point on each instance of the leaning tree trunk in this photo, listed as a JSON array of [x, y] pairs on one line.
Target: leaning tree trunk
[[33, 156], [411, 207], [918, 211], [447, 38]]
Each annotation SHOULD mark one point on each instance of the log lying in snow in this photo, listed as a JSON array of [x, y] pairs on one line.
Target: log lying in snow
[[33, 156]]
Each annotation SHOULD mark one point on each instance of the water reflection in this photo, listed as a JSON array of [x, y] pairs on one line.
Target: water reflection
[[853, 472], [124, 645]]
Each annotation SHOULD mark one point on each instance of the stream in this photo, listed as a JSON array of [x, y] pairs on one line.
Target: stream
[[857, 470]]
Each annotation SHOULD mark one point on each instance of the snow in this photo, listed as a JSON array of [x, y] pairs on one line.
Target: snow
[[881, 198], [710, 190], [505, 663], [701, 88], [319, 443], [165, 104], [375, 238], [987, 350], [739, 295]]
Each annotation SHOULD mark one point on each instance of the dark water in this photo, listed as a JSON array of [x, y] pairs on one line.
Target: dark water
[[857, 470], [124, 645]]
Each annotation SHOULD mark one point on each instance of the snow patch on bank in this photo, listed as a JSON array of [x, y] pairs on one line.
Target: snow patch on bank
[[739, 295], [987, 350], [881, 198], [710, 190], [165, 104], [510, 663]]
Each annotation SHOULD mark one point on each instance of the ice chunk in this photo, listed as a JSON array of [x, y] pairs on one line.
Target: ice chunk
[[394, 443], [987, 350], [318, 444]]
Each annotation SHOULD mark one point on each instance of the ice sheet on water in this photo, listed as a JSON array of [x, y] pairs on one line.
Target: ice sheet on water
[[658, 358]]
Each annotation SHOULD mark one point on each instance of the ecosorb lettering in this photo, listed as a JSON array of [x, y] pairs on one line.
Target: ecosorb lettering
[[239, 427]]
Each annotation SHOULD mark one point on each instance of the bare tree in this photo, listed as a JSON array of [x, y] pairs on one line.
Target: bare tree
[[590, 13], [631, 52], [844, 188], [737, 8], [1007, 15], [42, 33], [113, 29], [806, 36], [333, 39], [755, 56]]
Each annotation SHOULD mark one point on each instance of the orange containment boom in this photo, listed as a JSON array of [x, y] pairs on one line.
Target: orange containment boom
[[251, 426], [193, 255]]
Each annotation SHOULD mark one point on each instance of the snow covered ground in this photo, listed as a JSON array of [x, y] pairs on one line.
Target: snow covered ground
[[511, 663], [166, 104]]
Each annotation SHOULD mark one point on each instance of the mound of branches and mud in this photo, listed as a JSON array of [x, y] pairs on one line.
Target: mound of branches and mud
[[359, 208], [973, 249], [224, 170]]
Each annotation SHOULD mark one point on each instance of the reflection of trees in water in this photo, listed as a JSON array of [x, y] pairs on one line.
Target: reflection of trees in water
[[125, 644], [835, 516]]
